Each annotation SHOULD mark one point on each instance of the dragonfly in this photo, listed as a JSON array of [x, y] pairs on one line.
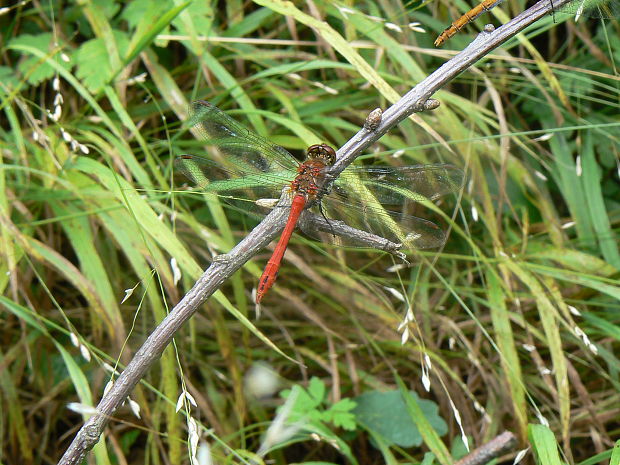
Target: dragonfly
[[244, 166], [607, 9]]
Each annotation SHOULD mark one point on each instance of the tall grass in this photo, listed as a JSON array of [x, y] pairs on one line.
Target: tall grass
[[512, 325]]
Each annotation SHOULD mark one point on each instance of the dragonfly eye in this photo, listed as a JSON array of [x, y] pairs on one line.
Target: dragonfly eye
[[322, 152]]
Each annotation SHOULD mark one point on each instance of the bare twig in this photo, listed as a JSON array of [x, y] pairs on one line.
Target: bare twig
[[415, 100], [491, 450], [311, 224], [225, 265]]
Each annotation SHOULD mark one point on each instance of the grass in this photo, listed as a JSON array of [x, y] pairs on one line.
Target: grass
[[513, 325]]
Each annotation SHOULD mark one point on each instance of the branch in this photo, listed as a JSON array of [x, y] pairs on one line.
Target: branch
[[417, 99], [224, 266], [311, 224], [496, 447]]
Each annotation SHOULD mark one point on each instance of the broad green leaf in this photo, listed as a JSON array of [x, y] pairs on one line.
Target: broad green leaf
[[386, 413], [93, 64], [196, 20], [148, 30], [35, 69], [140, 13]]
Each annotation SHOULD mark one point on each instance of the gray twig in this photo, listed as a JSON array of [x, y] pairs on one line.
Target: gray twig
[[225, 265], [496, 447], [312, 224]]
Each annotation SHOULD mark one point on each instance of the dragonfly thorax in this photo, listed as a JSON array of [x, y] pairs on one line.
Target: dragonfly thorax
[[310, 177], [311, 173]]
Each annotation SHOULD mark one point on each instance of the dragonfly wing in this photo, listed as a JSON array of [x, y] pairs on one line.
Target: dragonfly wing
[[382, 200], [395, 185], [237, 145], [232, 181], [602, 9], [242, 166], [396, 226]]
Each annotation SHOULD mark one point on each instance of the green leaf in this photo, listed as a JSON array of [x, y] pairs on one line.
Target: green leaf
[[306, 402], [510, 362], [385, 413], [35, 69], [544, 444], [195, 20], [615, 455], [139, 13], [308, 407], [149, 29], [93, 65], [317, 389], [340, 414], [571, 259], [106, 8], [572, 189], [429, 434], [591, 179]]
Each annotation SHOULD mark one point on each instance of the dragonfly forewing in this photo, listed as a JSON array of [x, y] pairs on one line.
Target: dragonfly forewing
[[239, 187], [236, 144], [395, 185], [601, 9]]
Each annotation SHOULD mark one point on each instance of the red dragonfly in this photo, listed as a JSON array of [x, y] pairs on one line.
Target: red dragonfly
[[247, 166]]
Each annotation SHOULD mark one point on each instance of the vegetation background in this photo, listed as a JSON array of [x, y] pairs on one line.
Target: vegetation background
[[512, 326]]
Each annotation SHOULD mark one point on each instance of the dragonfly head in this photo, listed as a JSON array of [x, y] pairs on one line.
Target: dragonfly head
[[322, 152]]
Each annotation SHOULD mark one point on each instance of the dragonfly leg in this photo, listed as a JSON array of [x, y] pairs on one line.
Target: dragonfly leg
[[332, 232], [326, 188]]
